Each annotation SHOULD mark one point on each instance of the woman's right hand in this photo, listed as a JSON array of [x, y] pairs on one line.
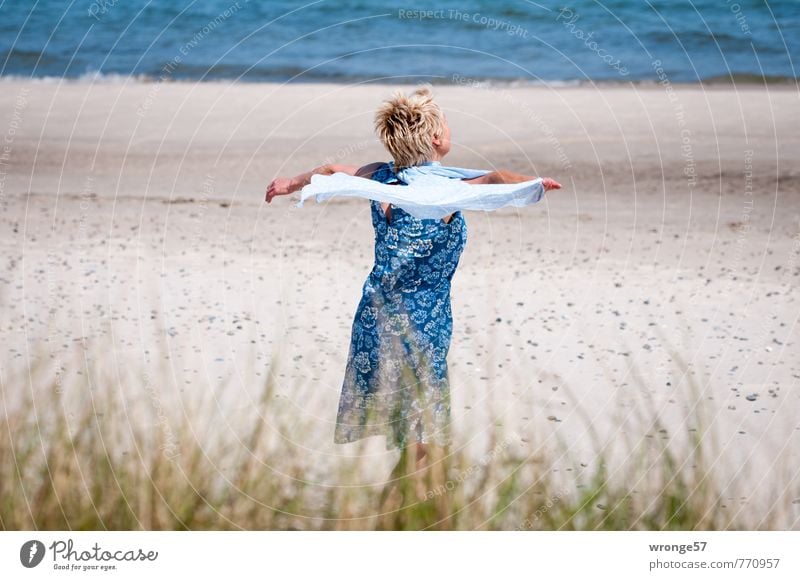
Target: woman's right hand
[[550, 184], [279, 186]]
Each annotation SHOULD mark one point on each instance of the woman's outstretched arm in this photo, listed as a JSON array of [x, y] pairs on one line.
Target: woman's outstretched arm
[[287, 185], [505, 176]]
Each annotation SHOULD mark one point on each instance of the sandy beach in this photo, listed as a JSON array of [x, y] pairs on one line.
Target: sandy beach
[[136, 241]]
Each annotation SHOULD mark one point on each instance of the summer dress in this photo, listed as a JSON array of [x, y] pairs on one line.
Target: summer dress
[[396, 379]]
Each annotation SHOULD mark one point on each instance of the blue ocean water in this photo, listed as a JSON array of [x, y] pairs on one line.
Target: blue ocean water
[[447, 41]]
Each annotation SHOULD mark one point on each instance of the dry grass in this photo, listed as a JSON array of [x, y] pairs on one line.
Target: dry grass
[[108, 470]]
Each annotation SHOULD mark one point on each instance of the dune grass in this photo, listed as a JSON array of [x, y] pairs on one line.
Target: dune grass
[[108, 469]]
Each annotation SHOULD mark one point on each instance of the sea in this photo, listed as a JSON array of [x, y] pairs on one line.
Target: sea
[[440, 42]]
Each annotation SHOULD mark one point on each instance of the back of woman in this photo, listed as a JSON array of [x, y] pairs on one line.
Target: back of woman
[[396, 381], [413, 254]]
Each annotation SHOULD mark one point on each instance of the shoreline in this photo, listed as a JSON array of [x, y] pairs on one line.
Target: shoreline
[[743, 81]]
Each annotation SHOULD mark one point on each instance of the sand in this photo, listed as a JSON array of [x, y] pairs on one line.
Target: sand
[[136, 240]]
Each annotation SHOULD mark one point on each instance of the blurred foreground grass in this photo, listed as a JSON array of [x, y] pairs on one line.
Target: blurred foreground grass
[[109, 470]]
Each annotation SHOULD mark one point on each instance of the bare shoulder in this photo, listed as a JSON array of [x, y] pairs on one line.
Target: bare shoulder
[[367, 170]]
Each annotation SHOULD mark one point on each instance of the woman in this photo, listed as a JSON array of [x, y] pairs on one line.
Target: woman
[[396, 379]]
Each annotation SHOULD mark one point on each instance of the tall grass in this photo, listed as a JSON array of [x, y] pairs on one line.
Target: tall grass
[[108, 469]]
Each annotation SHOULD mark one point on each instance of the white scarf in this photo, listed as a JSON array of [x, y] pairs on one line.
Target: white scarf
[[433, 191]]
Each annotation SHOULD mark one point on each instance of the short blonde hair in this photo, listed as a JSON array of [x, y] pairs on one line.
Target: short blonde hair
[[407, 124]]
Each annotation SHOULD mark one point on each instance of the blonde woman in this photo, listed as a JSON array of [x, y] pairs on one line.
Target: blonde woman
[[396, 378]]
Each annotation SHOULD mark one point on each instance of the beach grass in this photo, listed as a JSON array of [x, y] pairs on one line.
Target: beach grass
[[112, 469]]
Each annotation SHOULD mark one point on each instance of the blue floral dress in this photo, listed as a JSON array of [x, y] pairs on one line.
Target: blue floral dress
[[396, 381]]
